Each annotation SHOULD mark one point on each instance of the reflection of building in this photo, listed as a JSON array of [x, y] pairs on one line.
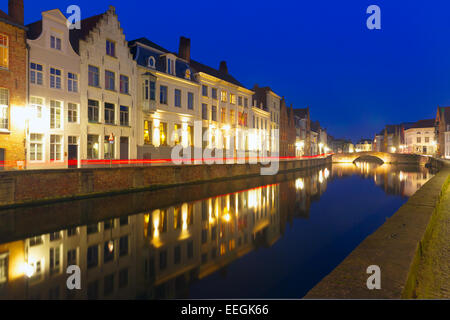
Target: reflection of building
[[421, 138], [13, 86]]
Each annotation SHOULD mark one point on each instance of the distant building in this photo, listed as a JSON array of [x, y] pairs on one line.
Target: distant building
[[378, 142], [443, 132], [421, 138], [364, 145], [287, 130], [303, 132], [394, 137]]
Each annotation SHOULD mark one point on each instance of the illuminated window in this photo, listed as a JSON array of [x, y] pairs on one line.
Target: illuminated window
[[92, 147], [55, 148], [4, 51], [223, 249], [110, 48], [223, 116], [72, 82], [232, 118], [147, 132], [177, 137], [55, 114], [36, 73], [55, 78], [190, 130], [36, 147], [232, 98], [177, 218], [4, 109], [72, 112], [108, 149], [55, 260], [223, 96], [55, 43], [163, 133]]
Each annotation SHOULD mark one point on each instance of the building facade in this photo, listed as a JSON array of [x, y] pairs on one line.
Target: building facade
[[443, 132], [364, 145], [13, 87], [303, 132], [53, 137], [421, 138]]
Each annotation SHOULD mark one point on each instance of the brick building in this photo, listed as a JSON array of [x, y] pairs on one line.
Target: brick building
[[287, 130], [13, 86]]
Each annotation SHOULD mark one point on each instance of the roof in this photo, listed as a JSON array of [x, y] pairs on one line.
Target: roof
[[10, 20], [87, 25], [199, 67], [315, 126], [149, 43], [445, 111], [302, 113], [428, 123], [34, 30]]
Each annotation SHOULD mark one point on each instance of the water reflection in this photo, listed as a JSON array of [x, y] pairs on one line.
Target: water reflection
[[161, 252]]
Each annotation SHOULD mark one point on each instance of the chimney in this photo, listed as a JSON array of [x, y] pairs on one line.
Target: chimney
[[15, 8], [223, 67], [184, 50]]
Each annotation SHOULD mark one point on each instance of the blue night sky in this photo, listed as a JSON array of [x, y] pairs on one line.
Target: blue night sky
[[315, 53]]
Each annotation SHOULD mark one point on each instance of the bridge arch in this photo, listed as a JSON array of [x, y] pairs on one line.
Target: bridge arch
[[369, 158]]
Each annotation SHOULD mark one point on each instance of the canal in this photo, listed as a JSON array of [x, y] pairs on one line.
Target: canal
[[268, 237]]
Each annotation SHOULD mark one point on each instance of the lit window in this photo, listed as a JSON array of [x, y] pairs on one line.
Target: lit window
[[55, 43], [37, 104], [55, 148], [232, 98], [55, 114], [3, 268], [147, 132], [36, 73], [92, 147], [36, 147], [223, 96], [109, 149], [55, 78], [110, 48], [4, 51], [72, 112], [4, 109], [72, 82], [163, 133]]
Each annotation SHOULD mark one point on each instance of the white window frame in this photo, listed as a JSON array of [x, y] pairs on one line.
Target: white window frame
[[57, 79], [55, 111], [54, 148], [38, 106], [5, 49], [36, 72], [33, 146], [72, 84], [4, 109], [72, 112]]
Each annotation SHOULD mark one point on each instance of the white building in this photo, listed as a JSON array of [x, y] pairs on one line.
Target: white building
[[364, 145], [421, 138], [54, 131], [108, 87]]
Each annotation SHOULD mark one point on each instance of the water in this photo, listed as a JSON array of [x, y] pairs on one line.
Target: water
[[271, 237]]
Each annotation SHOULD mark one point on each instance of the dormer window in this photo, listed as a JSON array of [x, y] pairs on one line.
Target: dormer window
[[55, 43], [151, 62], [170, 66]]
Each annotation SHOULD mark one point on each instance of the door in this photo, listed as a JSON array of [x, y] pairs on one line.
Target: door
[[2, 159], [123, 148], [73, 152]]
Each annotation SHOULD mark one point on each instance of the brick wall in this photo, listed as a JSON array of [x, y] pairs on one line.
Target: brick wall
[[15, 80]]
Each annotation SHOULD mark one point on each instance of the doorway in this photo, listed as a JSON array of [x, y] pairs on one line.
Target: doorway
[[73, 152], [124, 148], [2, 159]]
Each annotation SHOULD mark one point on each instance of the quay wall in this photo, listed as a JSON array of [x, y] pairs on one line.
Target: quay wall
[[42, 186]]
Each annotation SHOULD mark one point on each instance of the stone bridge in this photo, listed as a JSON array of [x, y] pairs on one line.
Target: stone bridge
[[383, 156]]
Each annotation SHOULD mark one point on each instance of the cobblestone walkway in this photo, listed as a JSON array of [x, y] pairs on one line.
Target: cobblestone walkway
[[434, 268]]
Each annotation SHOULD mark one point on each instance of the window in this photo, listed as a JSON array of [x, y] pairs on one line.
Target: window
[[419, 139], [223, 96], [214, 93], [124, 84], [54, 260], [72, 82], [123, 221], [108, 224], [123, 278], [232, 98], [94, 76], [190, 249], [109, 149], [190, 130], [92, 256], [36, 147], [232, 119], [92, 147], [190, 101], [170, 66], [214, 113], [37, 105], [427, 139], [108, 253], [55, 114], [163, 94], [72, 257], [35, 241], [72, 232], [123, 246], [151, 62], [110, 80], [204, 111], [177, 98], [109, 113], [55, 78], [204, 90], [3, 268], [4, 51], [54, 236], [176, 138], [55, 43], [223, 116], [163, 260], [36, 73], [148, 132], [72, 112], [93, 110], [124, 116], [204, 236], [163, 133], [55, 148], [177, 255], [110, 48], [239, 101], [4, 109]]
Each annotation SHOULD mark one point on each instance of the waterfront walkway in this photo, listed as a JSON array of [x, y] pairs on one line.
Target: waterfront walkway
[[433, 279]]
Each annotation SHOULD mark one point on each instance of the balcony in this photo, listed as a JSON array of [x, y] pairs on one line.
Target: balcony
[[149, 106]]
